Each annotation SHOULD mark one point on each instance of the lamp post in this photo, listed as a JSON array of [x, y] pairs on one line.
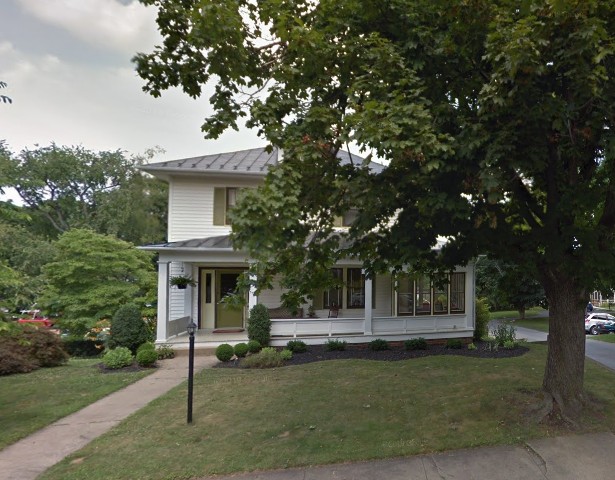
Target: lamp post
[[191, 328]]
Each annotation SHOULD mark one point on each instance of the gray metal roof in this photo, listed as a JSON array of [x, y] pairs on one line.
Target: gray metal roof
[[221, 242], [255, 161]]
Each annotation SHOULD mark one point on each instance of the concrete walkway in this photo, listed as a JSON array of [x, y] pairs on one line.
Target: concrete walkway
[[576, 457], [31, 456]]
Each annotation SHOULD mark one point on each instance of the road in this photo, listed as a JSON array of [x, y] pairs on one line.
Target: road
[[601, 352]]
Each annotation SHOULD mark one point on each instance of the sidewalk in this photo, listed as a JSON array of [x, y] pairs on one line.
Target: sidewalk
[[31, 456], [576, 457]]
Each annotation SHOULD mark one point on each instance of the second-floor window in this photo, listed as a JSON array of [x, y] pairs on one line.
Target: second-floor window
[[225, 198]]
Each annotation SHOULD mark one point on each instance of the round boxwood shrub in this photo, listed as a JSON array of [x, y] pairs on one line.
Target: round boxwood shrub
[[128, 328], [146, 357], [286, 354], [296, 346], [259, 326], [224, 352], [241, 349], [119, 357], [379, 344], [254, 346], [146, 346], [416, 344]]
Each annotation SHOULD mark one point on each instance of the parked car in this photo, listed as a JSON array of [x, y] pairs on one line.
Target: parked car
[[33, 317], [597, 323]]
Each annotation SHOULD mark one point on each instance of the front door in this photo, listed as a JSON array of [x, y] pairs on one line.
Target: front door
[[227, 316], [208, 299]]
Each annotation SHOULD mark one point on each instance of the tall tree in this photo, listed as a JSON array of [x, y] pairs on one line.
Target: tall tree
[[497, 118], [72, 187], [92, 275]]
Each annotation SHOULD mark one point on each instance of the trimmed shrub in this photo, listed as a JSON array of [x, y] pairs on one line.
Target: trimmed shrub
[[146, 346], [268, 357], [333, 345], [254, 346], [416, 344], [454, 343], [378, 344], [128, 328], [471, 346], [259, 326], [286, 354], [119, 357], [165, 351], [77, 347], [146, 357], [296, 346], [241, 350], [481, 330], [224, 352], [509, 344]]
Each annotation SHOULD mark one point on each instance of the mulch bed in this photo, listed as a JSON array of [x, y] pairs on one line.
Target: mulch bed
[[318, 353], [135, 367]]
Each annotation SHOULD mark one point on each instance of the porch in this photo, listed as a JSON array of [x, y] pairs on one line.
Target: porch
[[314, 331]]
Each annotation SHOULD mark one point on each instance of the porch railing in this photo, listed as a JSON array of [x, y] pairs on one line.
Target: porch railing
[[305, 327]]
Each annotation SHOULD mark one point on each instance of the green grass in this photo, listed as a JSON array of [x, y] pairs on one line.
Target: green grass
[[31, 401], [336, 411], [603, 338], [514, 314], [540, 323]]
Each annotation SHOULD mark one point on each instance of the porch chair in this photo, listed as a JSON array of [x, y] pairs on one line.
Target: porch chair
[[334, 310]]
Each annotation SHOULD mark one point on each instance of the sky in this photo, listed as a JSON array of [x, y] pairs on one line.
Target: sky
[[68, 67]]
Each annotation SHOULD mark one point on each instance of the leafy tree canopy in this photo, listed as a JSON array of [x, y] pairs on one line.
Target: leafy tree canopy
[[496, 117], [92, 275], [71, 187]]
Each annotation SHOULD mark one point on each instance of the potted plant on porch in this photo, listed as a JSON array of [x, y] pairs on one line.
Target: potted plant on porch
[[181, 282]]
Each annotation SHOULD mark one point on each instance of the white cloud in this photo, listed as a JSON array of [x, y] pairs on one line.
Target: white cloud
[[103, 23]]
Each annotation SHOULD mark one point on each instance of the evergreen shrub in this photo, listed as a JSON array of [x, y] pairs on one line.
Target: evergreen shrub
[[241, 350], [259, 325], [224, 352], [416, 344], [119, 357], [254, 346], [128, 328], [296, 346]]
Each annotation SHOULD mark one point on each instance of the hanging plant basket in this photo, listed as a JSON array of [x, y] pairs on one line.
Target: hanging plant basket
[[181, 282]]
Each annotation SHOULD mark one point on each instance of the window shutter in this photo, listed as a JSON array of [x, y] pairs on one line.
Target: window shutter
[[219, 205], [317, 302]]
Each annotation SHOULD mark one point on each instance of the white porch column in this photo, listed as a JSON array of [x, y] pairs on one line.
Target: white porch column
[[252, 298], [163, 302], [368, 305]]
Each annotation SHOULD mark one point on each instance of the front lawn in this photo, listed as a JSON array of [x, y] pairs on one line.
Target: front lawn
[[603, 338], [31, 401], [539, 323], [514, 314], [334, 411]]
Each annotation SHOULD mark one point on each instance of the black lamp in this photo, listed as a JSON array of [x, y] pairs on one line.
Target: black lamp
[[190, 328]]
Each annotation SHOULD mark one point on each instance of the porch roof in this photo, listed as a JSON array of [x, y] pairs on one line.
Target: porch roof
[[220, 242]]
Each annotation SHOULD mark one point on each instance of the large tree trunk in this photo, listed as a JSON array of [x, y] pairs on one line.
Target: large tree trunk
[[563, 379]]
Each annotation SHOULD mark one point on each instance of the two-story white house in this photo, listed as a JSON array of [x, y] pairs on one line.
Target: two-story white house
[[201, 192]]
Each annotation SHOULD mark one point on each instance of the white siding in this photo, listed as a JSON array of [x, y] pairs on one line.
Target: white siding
[[176, 296], [191, 207]]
